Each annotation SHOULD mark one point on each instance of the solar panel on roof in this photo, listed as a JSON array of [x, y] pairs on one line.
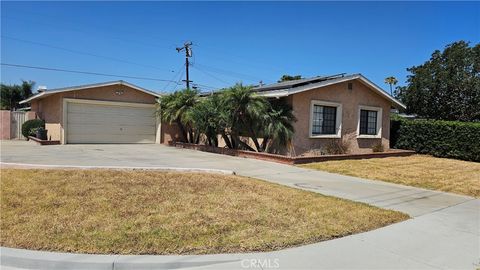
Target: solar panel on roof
[[296, 83]]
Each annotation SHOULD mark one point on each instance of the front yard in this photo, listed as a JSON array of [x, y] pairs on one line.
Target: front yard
[[423, 171], [147, 212]]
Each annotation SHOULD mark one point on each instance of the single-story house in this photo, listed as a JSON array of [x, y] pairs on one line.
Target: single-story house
[[339, 107], [110, 112], [347, 108]]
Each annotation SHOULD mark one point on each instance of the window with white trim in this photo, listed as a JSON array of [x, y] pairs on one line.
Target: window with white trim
[[368, 122], [325, 119]]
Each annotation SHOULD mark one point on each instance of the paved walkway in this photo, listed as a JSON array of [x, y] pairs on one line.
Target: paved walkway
[[444, 233]]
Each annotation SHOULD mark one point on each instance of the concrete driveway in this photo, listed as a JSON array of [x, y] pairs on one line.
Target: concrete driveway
[[444, 231]]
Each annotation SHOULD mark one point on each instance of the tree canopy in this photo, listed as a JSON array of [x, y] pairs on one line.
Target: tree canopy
[[11, 95], [285, 78], [447, 86]]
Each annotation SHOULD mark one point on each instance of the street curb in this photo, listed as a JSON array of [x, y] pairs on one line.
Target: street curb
[[174, 169], [32, 259], [29, 259]]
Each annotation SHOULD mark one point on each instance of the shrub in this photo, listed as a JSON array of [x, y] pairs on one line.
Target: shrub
[[378, 147], [395, 121], [452, 139], [337, 147], [30, 126]]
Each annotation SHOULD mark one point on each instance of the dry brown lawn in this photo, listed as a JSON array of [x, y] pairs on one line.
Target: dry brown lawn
[[423, 171], [147, 212]]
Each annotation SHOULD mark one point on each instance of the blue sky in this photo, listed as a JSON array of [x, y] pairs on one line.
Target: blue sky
[[233, 41]]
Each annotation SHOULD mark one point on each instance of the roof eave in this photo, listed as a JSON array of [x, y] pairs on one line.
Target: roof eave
[[84, 87], [274, 94], [290, 91], [32, 98], [395, 102]]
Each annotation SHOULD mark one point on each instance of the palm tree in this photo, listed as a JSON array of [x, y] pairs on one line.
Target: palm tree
[[391, 81], [238, 112], [210, 117], [246, 109], [175, 107], [278, 127]]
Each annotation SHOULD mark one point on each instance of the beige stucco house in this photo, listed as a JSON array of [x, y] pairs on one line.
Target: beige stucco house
[[346, 108], [340, 107], [111, 112]]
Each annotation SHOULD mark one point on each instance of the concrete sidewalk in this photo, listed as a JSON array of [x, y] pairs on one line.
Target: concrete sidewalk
[[444, 233]]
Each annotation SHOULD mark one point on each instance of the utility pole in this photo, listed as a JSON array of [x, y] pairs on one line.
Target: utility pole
[[188, 53]]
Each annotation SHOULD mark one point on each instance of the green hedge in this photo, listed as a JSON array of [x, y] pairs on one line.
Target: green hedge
[[452, 139], [29, 127]]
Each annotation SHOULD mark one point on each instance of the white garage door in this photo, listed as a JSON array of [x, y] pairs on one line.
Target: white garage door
[[105, 123]]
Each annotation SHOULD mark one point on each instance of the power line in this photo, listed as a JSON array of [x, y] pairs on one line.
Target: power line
[[210, 87], [211, 75], [174, 76], [89, 33], [230, 73], [195, 84], [177, 83], [80, 52], [56, 26], [240, 60], [86, 72]]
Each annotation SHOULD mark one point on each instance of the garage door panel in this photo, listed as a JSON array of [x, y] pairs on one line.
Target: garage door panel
[[128, 120], [110, 123], [105, 130], [123, 114], [110, 110], [111, 139]]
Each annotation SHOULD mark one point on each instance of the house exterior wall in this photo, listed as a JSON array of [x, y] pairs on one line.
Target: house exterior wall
[[50, 108], [360, 95], [170, 132]]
